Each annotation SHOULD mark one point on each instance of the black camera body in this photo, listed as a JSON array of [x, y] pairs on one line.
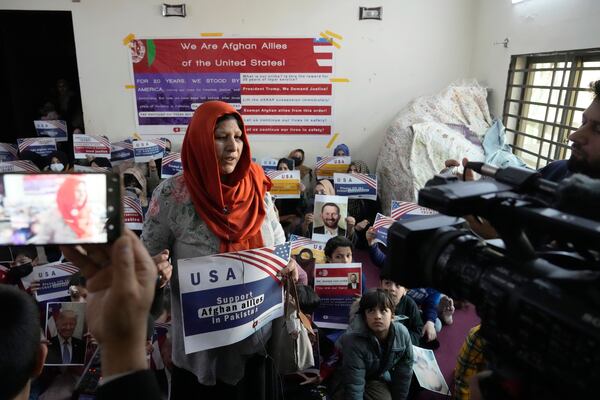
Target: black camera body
[[539, 304]]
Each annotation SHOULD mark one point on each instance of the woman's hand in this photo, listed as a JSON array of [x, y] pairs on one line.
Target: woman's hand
[[350, 222], [362, 225], [163, 267], [291, 270]]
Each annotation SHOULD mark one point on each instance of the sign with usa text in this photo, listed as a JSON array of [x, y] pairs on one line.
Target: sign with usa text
[[405, 210], [171, 165], [120, 152], [327, 166], [227, 297], [93, 146], [355, 186], [268, 164], [286, 184], [42, 146], [53, 279], [147, 150], [18, 166], [382, 225], [56, 129]]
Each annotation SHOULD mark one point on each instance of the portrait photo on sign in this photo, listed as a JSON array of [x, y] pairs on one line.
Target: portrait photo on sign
[[330, 214], [353, 281], [428, 372], [65, 332]]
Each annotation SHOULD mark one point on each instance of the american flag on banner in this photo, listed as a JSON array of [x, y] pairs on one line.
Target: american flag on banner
[[326, 166], [382, 221], [275, 174], [42, 146], [18, 166], [52, 128], [8, 152], [53, 279], [355, 186], [171, 165], [268, 259], [406, 209], [300, 241], [132, 213], [121, 151]]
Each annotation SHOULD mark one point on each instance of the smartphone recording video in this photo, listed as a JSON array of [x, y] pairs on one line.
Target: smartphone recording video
[[47, 208]]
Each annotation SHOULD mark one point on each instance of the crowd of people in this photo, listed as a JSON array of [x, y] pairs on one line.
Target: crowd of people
[[221, 203]]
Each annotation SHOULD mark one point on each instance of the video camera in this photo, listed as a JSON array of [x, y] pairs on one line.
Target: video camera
[[536, 290]]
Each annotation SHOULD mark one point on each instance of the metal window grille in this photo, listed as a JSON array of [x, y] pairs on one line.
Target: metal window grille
[[546, 95]]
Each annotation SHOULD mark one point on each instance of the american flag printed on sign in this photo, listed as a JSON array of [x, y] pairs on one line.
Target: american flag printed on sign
[[406, 209], [299, 241], [8, 152], [18, 166], [268, 259], [381, 221], [42, 146]]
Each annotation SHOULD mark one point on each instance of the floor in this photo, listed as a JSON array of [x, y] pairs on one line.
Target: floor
[[451, 337]]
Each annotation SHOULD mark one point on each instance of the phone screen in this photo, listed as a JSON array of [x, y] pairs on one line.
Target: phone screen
[[55, 209]]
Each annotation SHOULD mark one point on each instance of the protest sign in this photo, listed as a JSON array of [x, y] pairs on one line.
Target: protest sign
[[18, 166], [83, 168], [66, 319], [53, 279], [171, 165], [269, 164], [337, 286], [327, 166], [56, 129], [121, 151], [329, 218], [93, 146], [355, 186], [307, 253], [381, 226], [286, 184], [428, 372], [132, 213], [406, 209], [42, 146], [227, 297], [147, 150], [8, 152]]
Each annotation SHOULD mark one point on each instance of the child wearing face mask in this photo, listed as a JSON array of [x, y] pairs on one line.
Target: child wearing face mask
[[58, 162]]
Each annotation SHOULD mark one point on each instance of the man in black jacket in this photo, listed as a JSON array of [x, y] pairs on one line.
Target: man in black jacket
[[64, 348]]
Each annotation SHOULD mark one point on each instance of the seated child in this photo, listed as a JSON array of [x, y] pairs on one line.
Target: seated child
[[377, 355], [338, 250], [404, 306], [431, 302]]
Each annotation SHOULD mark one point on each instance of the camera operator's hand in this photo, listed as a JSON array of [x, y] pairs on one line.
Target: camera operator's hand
[[429, 332], [121, 290], [454, 163]]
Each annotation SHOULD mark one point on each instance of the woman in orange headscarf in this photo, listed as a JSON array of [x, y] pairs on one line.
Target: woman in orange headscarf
[[220, 203]]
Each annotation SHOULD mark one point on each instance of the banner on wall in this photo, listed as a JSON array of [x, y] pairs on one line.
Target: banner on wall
[[227, 297], [281, 86], [286, 184]]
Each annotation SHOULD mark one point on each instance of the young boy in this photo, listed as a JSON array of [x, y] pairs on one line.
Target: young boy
[[403, 306], [377, 355]]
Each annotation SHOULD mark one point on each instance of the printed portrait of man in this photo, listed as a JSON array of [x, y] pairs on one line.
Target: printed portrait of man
[[64, 347]]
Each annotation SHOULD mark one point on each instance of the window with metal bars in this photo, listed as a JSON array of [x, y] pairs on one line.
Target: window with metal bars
[[546, 95]]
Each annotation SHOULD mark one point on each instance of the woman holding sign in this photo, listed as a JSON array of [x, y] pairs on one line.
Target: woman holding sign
[[220, 203]]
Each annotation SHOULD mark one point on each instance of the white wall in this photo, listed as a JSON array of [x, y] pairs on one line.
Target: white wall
[[418, 48], [532, 26]]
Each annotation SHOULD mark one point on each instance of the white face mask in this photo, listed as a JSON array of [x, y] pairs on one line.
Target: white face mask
[[57, 167]]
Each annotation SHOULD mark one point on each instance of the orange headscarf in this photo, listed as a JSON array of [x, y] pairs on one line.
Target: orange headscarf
[[234, 211], [75, 215]]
